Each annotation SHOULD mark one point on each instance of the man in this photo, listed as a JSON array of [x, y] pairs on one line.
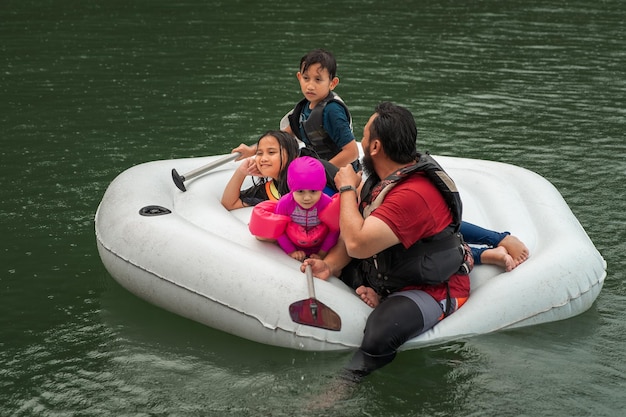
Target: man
[[399, 246]]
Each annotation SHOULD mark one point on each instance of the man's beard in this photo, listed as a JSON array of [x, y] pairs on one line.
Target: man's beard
[[368, 164]]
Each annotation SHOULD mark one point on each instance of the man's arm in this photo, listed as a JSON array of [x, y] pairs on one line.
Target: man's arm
[[362, 238], [348, 154], [332, 264]]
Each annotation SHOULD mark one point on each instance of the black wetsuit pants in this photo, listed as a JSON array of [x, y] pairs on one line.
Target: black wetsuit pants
[[400, 317]]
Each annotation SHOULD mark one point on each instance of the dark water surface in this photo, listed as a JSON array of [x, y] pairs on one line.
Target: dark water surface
[[90, 88]]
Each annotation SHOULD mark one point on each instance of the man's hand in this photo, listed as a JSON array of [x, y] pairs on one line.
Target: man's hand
[[319, 268], [346, 176]]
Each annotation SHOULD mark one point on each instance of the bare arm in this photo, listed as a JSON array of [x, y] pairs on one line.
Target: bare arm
[[231, 197], [359, 238], [332, 264], [347, 155], [362, 237]]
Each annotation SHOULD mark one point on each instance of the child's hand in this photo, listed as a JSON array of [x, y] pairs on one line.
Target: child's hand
[[248, 167], [298, 255], [245, 151]]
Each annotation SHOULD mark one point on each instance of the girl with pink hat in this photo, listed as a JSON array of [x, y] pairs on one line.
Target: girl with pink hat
[[303, 222]]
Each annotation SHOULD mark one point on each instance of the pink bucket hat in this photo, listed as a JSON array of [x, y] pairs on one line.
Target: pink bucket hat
[[306, 173]]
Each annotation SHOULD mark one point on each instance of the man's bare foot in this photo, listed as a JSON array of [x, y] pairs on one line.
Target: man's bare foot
[[516, 248], [368, 295], [498, 256]]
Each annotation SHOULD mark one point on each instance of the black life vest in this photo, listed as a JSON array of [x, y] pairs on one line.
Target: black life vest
[[430, 260], [316, 136]]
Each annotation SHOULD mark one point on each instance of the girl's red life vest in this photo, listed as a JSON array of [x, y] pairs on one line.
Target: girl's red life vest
[[266, 224]]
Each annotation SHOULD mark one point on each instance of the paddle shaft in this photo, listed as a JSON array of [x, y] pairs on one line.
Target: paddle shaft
[[179, 180], [310, 282]]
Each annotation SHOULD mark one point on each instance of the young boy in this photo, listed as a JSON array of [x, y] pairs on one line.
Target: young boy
[[321, 119]]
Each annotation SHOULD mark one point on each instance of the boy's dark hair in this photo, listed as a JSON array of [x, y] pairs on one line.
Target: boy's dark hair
[[396, 129], [320, 56]]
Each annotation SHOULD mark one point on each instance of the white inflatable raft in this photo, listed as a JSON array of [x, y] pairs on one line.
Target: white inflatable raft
[[199, 261]]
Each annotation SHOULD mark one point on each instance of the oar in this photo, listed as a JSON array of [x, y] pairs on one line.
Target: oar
[[180, 179], [312, 312]]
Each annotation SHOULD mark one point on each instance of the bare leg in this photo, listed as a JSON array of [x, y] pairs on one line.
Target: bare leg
[[498, 256], [516, 248]]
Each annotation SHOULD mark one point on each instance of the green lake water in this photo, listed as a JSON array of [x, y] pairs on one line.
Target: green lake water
[[91, 88]]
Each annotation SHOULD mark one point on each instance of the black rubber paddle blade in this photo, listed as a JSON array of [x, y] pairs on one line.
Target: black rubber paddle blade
[[312, 312]]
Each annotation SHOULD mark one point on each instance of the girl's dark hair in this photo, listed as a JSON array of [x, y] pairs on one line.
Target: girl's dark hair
[[396, 129], [289, 144], [320, 56]]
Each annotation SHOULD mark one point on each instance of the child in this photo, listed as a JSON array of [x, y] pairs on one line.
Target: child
[[275, 150], [308, 229], [321, 119]]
